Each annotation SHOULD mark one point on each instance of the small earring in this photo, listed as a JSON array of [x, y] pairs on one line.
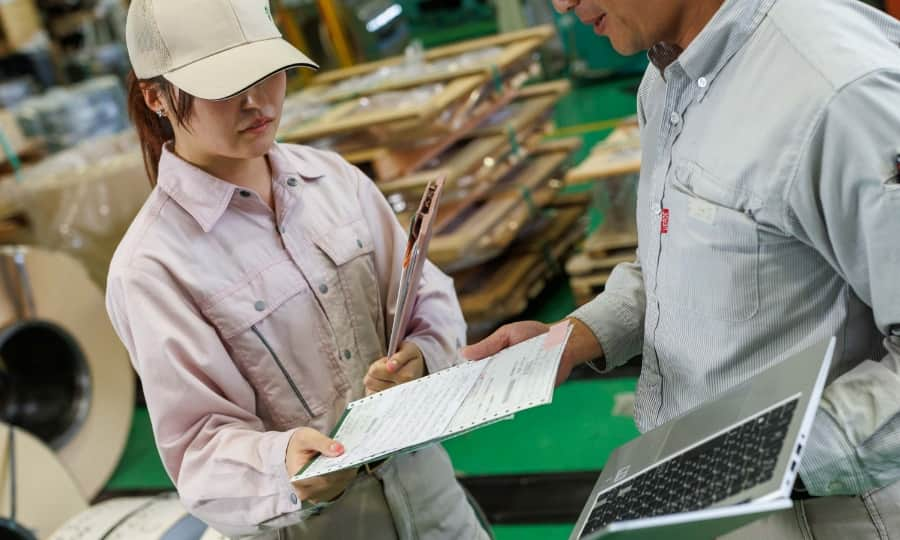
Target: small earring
[[161, 113]]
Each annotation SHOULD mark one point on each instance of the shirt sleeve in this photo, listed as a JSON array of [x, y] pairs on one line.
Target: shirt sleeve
[[436, 323], [227, 469], [616, 316], [844, 201]]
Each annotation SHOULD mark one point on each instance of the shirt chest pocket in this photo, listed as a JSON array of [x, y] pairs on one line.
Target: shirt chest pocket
[[709, 262], [348, 261], [279, 341]]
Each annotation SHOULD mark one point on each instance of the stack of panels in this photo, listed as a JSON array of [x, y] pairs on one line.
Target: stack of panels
[[612, 167]]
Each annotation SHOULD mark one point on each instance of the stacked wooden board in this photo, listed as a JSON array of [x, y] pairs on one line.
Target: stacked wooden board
[[402, 113], [613, 167], [501, 289]]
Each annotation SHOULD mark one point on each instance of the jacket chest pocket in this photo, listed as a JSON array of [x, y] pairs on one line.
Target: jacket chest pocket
[[276, 335], [710, 254], [348, 258]]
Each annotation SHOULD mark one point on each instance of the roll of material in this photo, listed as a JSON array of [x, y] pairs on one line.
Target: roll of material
[[136, 518], [64, 374], [35, 485]]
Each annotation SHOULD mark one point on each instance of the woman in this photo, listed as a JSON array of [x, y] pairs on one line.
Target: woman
[[254, 288]]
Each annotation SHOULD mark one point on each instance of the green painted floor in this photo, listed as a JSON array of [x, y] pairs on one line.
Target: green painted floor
[[574, 433], [532, 532]]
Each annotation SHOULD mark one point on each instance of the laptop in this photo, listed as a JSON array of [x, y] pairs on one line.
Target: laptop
[[717, 467]]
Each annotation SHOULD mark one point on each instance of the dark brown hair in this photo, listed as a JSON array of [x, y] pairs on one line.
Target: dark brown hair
[[153, 130]]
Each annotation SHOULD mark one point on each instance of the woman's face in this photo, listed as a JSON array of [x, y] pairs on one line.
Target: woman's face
[[242, 127]]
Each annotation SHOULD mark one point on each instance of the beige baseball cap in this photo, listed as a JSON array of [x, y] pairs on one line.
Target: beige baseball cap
[[211, 49]]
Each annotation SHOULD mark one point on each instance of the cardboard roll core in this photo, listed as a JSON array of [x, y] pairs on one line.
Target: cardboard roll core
[[37, 492], [45, 386], [136, 518], [64, 374]]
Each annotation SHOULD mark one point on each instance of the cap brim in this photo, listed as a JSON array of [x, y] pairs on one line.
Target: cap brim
[[230, 72]]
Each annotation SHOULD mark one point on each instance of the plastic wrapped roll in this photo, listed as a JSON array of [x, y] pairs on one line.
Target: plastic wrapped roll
[[46, 495], [64, 376], [136, 518], [81, 201]]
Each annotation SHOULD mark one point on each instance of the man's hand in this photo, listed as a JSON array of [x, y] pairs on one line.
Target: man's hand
[[504, 337], [406, 365], [582, 345], [306, 444]]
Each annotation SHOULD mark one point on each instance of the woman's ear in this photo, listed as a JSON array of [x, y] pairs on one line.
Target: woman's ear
[[153, 97]]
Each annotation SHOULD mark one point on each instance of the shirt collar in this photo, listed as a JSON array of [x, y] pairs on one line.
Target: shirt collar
[[205, 197], [721, 38]]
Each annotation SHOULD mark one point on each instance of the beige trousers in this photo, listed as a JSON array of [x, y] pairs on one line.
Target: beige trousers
[[875, 515]]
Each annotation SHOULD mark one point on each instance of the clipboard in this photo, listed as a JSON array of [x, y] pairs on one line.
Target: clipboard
[[414, 258]]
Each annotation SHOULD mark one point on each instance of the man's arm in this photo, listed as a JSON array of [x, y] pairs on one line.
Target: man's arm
[[614, 319], [616, 316], [845, 202]]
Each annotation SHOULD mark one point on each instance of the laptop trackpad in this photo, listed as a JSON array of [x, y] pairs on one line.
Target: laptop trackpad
[[703, 422]]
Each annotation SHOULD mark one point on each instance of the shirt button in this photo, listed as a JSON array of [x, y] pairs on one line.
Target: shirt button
[[359, 243], [675, 118], [657, 209], [244, 193], [292, 181], [702, 82], [293, 498], [347, 354], [323, 288], [259, 305]]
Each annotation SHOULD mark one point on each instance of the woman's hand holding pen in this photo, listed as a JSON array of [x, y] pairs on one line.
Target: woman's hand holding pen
[[306, 444], [406, 365]]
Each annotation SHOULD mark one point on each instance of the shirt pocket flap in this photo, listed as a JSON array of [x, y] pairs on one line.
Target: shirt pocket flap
[[344, 243], [695, 181], [236, 309]]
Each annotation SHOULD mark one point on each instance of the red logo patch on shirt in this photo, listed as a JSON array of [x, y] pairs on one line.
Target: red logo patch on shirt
[[664, 221]]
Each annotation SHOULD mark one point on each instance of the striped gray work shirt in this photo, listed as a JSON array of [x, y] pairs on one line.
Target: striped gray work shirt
[[769, 219]]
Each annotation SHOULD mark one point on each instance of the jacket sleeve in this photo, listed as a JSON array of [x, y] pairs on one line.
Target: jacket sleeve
[[228, 470]]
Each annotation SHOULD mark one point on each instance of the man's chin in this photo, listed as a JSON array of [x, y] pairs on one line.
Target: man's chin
[[625, 49]]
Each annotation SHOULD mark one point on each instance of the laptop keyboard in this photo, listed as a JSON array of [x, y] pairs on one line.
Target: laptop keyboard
[[738, 459]]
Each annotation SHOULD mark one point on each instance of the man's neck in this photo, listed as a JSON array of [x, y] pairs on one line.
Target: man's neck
[[694, 17], [693, 20]]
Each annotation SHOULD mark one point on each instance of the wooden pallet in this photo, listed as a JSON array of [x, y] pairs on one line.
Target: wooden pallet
[[617, 155], [336, 85], [602, 251], [389, 143], [399, 161], [534, 104], [483, 224], [466, 166], [395, 109], [500, 290], [515, 129]]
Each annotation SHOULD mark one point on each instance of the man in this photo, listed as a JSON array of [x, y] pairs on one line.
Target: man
[[768, 219]]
